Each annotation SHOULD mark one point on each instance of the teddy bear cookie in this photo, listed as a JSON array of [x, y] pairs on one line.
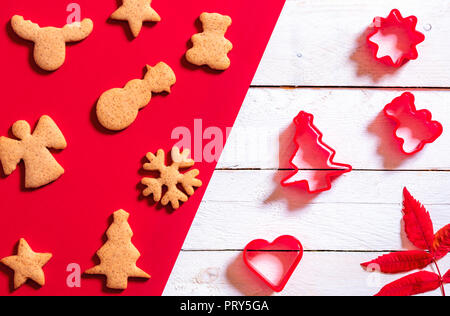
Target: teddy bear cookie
[[27, 265], [136, 12], [118, 108], [40, 166], [118, 256], [50, 42], [171, 177], [211, 47]]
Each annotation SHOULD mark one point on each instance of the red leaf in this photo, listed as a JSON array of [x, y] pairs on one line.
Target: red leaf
[[418, 225], [400, 261], [417, 283], [446, 277], [441, 244]]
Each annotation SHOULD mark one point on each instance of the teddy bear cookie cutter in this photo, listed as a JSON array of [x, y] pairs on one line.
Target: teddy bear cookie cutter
[[211, 47], [413, 128], [118, 108], [50, 42]]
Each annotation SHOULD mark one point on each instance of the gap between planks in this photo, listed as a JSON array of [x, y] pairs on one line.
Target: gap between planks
[[350, 87], [306, 251], [359, 170]]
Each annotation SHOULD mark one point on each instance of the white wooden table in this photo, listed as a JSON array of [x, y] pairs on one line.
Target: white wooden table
[[317, 61]]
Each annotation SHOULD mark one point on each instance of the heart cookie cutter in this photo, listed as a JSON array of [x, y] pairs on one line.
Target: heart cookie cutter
[[314, 157], [394, 25], [288, 246], [422, 129]]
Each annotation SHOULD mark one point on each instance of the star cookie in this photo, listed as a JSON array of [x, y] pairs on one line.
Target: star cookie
[[136, 12], [27, 264]]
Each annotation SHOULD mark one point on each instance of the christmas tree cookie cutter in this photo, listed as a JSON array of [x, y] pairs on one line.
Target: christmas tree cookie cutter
[[392, 27], [413, 128], [313, 159], [274, 263]]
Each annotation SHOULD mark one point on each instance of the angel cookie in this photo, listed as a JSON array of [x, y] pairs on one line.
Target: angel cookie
[[40, 166], [211, 47]]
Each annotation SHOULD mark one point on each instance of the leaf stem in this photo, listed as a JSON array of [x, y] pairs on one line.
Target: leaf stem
[[440, 277]]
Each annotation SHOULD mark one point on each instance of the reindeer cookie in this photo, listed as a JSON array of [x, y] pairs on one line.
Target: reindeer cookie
[[118, 108], [211, 47], [50, 42], [40, 166]]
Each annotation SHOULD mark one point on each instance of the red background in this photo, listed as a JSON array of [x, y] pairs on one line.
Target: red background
[[69, 217]]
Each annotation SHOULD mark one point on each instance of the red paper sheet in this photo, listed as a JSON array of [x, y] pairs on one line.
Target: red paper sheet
[[70, 216]]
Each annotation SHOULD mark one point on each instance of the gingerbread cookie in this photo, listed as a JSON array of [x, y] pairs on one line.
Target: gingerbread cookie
[[118, 108], [118, 255], [136, 12], [170, 177], [211, 47], [50, 42], [27, 264], [40, 166]]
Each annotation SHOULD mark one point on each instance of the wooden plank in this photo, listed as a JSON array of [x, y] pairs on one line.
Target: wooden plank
[[322, 43], [350, 119], [362, 211], [328, 274]]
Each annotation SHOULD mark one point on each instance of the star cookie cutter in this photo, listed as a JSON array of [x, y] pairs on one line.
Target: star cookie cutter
[[413, 128], [280, 257], [314, 157], [393, 25]]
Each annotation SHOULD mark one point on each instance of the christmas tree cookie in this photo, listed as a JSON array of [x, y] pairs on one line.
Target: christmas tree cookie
[[118, 255]]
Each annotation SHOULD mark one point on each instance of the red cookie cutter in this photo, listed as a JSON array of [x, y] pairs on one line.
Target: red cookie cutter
[[413, 129], [314, 157], [286, 250], [396, 25]]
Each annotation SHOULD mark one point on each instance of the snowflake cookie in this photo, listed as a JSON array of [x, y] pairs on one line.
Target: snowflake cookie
[[170, 177]]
